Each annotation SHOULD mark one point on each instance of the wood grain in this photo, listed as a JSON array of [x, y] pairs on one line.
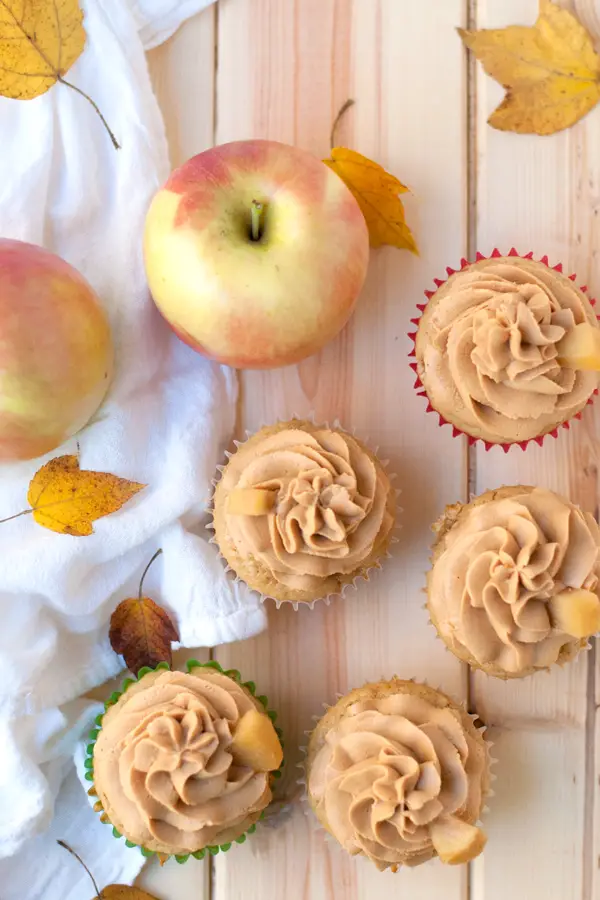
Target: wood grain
[[540, 194], [183, 77], [284, 71]]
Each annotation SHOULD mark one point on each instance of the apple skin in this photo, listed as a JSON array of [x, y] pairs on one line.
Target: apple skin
[[55, 351], [265, 303]]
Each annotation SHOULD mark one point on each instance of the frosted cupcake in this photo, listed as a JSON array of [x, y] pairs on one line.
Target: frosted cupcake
[[301, 511], [514, 582], [398, 773], [183, 762], [502, 350]]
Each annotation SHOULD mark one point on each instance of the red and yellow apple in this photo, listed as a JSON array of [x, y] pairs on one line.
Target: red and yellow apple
[[255, 253], [55, 351]]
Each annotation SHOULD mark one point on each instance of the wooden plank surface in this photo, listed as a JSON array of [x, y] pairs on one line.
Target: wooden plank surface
[[284, 71], [540, 194]]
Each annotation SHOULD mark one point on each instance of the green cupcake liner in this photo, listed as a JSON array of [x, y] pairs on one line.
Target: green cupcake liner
[[93, 736]]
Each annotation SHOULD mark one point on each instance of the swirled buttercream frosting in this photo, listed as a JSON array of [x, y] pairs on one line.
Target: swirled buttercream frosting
[[487, 350], [163, 765], [302, 509], [504, 568], [391, 767]]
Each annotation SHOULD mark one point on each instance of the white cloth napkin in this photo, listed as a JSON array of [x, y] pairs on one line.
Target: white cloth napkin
[[168, 415]]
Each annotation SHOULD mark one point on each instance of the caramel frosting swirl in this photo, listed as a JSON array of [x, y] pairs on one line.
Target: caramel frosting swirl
[[163, 767], [330, 511], [487, 350], [491, 588], [391, 768]]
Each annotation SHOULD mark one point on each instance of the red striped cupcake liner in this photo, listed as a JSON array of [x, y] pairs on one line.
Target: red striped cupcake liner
[[420, 388]]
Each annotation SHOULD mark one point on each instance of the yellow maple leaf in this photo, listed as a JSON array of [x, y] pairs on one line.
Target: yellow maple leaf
[[377, 194], [550, 70], [39, 42], [67, 499]]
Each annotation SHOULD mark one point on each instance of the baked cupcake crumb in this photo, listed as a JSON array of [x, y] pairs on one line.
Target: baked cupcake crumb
[[303, 510], [397, 772]]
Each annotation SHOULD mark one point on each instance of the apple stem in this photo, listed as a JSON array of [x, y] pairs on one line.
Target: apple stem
[[256, 214]]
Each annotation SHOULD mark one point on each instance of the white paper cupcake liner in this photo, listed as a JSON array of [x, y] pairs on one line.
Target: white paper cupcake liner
[[349, 586]]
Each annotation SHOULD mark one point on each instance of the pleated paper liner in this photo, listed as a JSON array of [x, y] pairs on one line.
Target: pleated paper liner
[[303, 779], [584, 644], [93, 736], [350, 585], [420, 388]]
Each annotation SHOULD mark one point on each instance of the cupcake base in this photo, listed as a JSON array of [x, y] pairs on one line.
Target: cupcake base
[[237, 835], [451, 517], [258, 577], [377, 690], [420, 388]]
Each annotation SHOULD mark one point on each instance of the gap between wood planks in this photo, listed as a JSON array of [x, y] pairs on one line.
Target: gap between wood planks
[[589, 852], [471, 249]]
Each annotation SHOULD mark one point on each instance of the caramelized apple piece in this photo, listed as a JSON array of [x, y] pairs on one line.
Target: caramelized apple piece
[[576, 612], [250, 502], [255, 743], [580, 348], [456, 841]]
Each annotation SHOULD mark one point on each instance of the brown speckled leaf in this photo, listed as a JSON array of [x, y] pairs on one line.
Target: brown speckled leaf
[[124, 892], [67, 499], [142, 632]]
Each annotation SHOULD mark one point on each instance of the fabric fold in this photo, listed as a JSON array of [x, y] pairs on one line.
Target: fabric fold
[[166, 421]]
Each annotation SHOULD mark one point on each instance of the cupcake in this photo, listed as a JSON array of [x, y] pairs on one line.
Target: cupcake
[[398, 773], [302, 510], [514, 585], [501, 350], [183, 762]]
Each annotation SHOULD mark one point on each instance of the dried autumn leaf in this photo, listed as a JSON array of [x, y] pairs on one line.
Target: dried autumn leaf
[[39, 42], [376, 192], [124, 892], [550, 70], [141, 630], [67, 499]]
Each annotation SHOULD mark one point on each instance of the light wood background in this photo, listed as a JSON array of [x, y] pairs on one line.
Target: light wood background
[[281, 69]]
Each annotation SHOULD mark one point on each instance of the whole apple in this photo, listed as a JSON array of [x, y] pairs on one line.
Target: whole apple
[[55, 351], [255, 253]]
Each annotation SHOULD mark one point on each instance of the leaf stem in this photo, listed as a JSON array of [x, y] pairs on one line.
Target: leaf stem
[[25, 512], [74, 87], [79, 860], [344, 108], [256, 216], [158, 552]]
